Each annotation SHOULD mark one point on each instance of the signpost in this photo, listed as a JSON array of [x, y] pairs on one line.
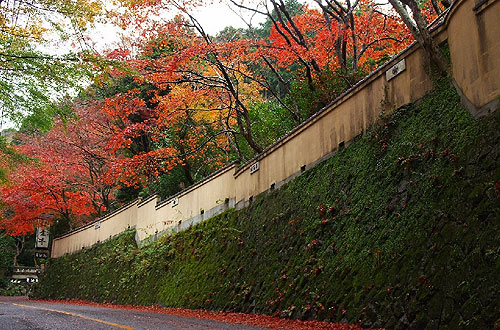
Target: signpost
[[42, 238], [25, 274]]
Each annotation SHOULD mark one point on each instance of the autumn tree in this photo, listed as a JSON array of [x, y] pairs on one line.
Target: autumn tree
[[66, 178], [361, 28], [211, 93], [153, 138], [84, 141], [328, 50], [221, 73], [39, 196]]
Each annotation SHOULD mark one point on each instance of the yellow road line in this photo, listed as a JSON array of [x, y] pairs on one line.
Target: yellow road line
[[75, 315]]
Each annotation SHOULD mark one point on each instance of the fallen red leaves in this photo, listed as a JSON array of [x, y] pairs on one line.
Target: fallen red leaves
[[266, 321]]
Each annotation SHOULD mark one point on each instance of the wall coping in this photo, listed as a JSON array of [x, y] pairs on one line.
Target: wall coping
[[482, 5], [205, 180], [143, 201], [103, 218], [332, 106]]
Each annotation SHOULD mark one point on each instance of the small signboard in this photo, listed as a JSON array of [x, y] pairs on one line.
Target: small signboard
[[42, 238], [254, 168], [28, 279], [395, 70], [41, 254], [25, 270], [25, 274], [175, 202]]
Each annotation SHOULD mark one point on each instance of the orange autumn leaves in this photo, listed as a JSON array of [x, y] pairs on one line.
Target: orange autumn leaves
[[65, 178], [373, 34]]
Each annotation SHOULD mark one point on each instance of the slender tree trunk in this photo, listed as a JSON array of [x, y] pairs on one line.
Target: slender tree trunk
[[19, 249], [421, 33]]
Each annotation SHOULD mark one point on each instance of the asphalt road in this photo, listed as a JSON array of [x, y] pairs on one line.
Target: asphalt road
[[17, 313]]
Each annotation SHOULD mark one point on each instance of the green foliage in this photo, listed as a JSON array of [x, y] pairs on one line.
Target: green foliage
[[13, 289], [37, 74], [230, 33], [126, 194], [270, 122], [7, 251], [399, 230], [167, 184], [26, 257], [307, 101], [122, 85], [10, 158], [37, 83], [330, 85]]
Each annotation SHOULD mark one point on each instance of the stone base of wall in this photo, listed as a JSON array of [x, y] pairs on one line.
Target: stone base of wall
[[483, 111]]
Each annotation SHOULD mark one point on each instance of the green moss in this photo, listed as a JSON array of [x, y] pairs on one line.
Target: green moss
[[408, 239]]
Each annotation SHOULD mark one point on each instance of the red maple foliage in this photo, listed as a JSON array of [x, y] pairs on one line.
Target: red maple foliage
[[66, 178]]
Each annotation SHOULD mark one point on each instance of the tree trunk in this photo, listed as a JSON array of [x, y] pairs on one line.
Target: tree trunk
[[419, 30], [19, 249]]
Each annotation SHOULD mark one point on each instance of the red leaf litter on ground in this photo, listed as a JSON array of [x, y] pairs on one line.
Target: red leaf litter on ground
[[259, 320]]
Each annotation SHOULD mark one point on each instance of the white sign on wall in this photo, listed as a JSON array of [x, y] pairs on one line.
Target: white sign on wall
[[254, 168], [42, 238], [395, 70], [175, 202]]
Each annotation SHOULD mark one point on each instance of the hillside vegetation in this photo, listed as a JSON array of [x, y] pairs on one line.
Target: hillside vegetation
[[400, 229]]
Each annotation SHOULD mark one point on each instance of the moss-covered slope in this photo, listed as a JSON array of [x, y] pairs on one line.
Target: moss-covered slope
[[401, 229]]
